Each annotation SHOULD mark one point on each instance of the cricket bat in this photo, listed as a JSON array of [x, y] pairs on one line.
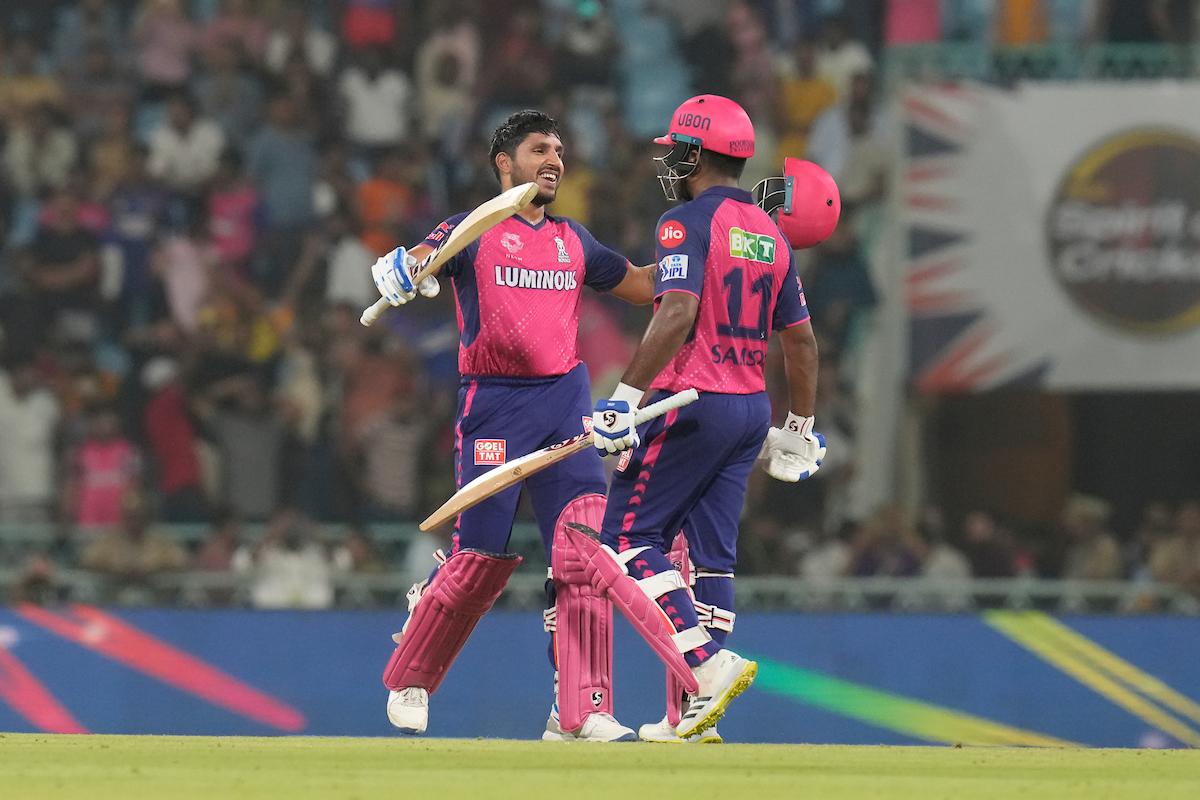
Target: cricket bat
[[474, 225], [498, 479]]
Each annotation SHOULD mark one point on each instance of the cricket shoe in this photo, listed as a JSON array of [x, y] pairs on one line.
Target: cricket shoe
[[408, 709], [597, 727], [663, 732], [722, 677]]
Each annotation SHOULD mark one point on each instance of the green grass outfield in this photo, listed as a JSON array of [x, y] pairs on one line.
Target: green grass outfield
[[131, 767]]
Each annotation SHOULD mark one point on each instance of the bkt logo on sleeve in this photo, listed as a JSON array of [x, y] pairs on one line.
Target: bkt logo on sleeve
[[673, 267]]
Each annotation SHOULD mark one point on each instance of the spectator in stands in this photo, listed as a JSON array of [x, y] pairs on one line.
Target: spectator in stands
[[229, 95], [282, 160], [1092, 550], [357, 552], [1175, 559], [391, 445], [385, 204], [803, 96], [1156, 525], [886, 546], [219, 548], [95, 89], [830, 140], [839, 287], [446, 72], [171, 441], [41, 151], [185, 148], [841, 58], [295, 34], [348, 277], [165, 40], [29, 417], [941, 560], [236, 414], [38, 582], [61, 268], [25, 84], [377, 98], [234, 214], [237, 25], [988, 547], [137, 208], [133, 551], [185, 263], [102, 473], [84, 26], [287, 568]]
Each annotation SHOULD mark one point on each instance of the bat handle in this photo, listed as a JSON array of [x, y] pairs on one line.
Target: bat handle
[[677, 400], [369, 316]]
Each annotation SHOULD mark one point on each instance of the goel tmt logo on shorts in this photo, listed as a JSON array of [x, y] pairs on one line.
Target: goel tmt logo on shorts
[[489, 452], [1123, 231]]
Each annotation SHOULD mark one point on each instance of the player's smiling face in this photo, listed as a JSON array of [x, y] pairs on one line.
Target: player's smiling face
[[539, 159]]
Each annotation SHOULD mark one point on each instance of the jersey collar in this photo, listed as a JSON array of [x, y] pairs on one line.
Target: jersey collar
[[732, 192]]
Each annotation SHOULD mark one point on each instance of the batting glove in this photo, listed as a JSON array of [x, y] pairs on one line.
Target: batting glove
[[393, 278], [794, 452], [613, 428]]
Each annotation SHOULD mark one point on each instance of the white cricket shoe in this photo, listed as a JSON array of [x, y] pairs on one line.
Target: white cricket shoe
[[597, 727], [722, 678], [663, 732], [408, 710]]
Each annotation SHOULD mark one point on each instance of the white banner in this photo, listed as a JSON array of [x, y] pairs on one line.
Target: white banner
[[1053, 236]]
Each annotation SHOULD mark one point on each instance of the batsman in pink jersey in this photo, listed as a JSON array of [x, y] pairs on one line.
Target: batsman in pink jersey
[[517, 291], [726, 281]]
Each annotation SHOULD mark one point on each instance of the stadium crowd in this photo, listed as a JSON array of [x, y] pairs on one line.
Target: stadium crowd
[[192, 194]]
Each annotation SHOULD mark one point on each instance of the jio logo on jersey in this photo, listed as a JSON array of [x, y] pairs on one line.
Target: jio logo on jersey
[[671, 234]]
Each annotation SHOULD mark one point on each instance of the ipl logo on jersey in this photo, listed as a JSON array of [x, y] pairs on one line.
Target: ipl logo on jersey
[[673, 267], [563, 256], [751, 246], [511, 242]]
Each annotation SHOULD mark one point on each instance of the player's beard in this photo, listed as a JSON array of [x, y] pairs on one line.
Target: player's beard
[[544, 197]]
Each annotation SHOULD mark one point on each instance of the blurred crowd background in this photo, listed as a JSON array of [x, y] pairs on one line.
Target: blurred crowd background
[[192, 194]]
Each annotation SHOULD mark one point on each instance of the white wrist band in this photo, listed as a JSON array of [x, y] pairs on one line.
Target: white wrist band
[[629, 394]]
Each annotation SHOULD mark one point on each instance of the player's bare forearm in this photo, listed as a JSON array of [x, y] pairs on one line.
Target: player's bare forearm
[[637, 287], [668, 330], [800, 364]]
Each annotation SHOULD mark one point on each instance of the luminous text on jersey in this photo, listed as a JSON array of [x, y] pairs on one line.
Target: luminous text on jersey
[[560, 280], [751, 246]]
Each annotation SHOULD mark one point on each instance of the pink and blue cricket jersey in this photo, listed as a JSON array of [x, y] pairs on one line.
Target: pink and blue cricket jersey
[[691, 469], [517, 291]]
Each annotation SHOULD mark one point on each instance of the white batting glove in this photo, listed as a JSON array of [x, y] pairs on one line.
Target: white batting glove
[[393, 278], [794, 452], [613, 428]]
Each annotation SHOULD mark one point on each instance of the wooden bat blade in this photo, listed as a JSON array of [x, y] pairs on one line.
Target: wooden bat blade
[[500, 478], [487, 216]]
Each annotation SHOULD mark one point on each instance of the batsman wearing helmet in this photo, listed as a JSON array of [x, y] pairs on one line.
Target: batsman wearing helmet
[[517, 291], [726, 281]]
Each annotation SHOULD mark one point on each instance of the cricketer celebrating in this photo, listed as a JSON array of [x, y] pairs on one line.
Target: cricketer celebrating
[[517, 291], [726, 279]]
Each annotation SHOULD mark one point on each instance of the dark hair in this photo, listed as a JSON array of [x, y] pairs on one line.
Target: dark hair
[[508, 137], [726, 165]]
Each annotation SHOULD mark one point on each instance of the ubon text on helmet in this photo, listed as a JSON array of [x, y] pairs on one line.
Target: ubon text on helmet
[[705, 122]]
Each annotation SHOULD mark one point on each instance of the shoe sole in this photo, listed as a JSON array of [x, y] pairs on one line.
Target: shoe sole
[[677, 740], [740, 684], [548, 736]]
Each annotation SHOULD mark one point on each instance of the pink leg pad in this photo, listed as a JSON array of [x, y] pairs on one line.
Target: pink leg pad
[[583, 640], [461, 592], [647, 618]]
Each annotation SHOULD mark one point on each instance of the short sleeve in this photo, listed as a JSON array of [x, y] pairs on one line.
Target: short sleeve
[[437, 237], [602, 268], [682, 239], [790, 306]]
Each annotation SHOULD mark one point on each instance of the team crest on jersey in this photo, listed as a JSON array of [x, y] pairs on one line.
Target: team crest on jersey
[[490, 452], [511, 242], [751, 246], [563, 256]]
